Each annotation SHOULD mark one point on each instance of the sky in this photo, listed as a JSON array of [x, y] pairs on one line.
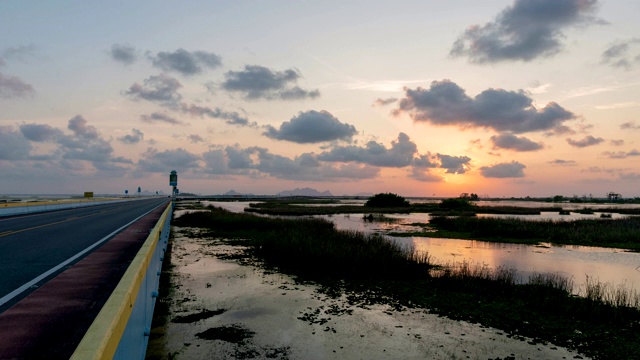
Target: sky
[[500, 98]]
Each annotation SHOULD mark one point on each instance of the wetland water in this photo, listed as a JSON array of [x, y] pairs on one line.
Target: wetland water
[[615, 266]]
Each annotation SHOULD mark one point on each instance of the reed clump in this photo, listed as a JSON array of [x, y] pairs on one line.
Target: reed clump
[[621, 233]]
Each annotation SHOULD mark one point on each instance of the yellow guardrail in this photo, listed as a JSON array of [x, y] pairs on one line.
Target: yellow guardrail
[[102, 339], [52, 202]]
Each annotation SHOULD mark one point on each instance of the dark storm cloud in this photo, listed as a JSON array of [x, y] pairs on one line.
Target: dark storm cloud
[[513, 169], [258, 82], [526, 30], [13, 87], [135, 137], [160, 89], [384, 102], [157, 117], [159, 161], [454, 164], [621, 154], [40, 132], [622, 54], [185, 62], [631, 125], [13, 146], [230, 117], [446, 103], [312, 127], [400, 154], [586, 141], [512, 142], [125, 54]]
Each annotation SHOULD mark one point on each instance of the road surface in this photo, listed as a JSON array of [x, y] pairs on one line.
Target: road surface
[[34, 248]]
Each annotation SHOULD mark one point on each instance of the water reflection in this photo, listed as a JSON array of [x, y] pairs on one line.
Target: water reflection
[[614, 266]]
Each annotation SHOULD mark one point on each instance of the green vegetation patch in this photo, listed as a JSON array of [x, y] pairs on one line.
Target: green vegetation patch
[[618, 233]]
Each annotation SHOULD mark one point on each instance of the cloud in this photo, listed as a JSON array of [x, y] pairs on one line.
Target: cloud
[[512, 142], [503, 170], [40, 132], [125, 54], [164, 161], [630, 176], [454, 164], [20, 53], [13, 146], [312, 127], [586, 141], [195, 138], [185, 62], [13, 87], [230, 117], [79, 125], [160, 89], [618, 54], [85, 143], [423, 175], [400, 154], [384, 102], [631, 125], [157, 117], [524, 31], [621, 154], [446, 103], [561, 162], [257, 162], [258, 82], [619, 142], [135, 137]]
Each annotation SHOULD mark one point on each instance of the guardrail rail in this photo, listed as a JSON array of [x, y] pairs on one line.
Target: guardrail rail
[[121, 329]]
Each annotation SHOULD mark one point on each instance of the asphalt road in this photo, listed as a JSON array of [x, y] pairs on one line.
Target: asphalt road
[[34, 248]]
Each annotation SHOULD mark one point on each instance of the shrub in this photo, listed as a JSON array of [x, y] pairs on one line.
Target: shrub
[[456, 204], [386, 200]]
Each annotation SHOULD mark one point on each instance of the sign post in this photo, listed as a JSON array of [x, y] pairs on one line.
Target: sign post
[[173, 181]]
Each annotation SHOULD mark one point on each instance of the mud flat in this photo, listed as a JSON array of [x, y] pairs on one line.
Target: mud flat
[[224, 308]]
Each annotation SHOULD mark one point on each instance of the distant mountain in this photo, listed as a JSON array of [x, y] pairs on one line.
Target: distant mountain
[[304, 192], [235, 193]]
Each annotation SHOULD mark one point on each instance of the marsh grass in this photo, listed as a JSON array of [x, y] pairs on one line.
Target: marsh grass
[[603, 323], [620, 233]]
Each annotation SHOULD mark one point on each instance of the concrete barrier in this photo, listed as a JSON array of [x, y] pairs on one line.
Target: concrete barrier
[[121, 329], [44, 206]]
